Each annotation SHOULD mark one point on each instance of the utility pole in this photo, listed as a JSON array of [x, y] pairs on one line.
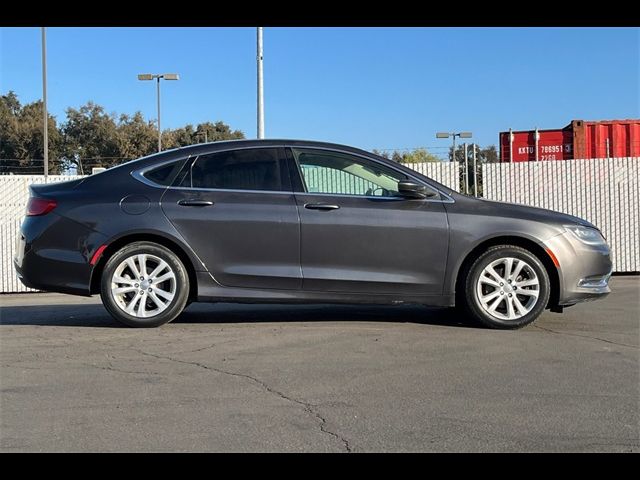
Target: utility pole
[[510, 145], [466, 169], [475, 173], [260, 86], [45, 136], [159, 129], [453, 155]]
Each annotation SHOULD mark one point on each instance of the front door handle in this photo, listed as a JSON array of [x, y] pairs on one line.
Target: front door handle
[[321, 206], [194, 202]]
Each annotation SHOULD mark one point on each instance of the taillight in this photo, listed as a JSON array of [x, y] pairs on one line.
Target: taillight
[[40, 206]]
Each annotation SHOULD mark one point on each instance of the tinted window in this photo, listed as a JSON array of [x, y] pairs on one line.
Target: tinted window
[[338, 173], [249, 169], [165, 174]]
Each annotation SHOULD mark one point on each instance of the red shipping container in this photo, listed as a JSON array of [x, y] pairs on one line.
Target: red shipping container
[[580, 139], [606, 138], [552, 145]]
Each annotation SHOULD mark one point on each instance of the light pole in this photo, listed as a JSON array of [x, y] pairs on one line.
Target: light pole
[[454, 135], [45, 133], [153, 76], [259, 59]]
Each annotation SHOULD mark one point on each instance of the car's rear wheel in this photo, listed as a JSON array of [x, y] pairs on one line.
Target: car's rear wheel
[[144, 285], [506, 287]]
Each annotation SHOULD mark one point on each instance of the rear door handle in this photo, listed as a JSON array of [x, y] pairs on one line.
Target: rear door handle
[[321, 206], [193, 202]]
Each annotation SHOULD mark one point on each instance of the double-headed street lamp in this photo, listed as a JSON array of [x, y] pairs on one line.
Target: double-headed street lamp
[[454, 135], [152, 76]]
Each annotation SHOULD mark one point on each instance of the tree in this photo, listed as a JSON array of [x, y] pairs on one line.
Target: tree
[[90, 138], [215, 132], [483, 155], [489, 154], [420, 155], [22, 138], [136, 137], [382, 153], [189, 135]]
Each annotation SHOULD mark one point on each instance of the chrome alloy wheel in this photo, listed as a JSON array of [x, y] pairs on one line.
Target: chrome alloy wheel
[[508, 288], [143, 285]]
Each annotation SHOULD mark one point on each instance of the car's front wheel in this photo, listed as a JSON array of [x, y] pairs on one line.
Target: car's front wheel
[[506, 287], [144, 284]]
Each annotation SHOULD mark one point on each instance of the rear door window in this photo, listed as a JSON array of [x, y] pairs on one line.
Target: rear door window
[[245, 169]]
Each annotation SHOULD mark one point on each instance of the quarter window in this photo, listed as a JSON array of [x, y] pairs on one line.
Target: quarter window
[[165, 174], [247, 169], [343, 174]]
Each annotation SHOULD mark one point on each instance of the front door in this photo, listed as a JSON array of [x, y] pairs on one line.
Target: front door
[[359, 236], [237, 212]]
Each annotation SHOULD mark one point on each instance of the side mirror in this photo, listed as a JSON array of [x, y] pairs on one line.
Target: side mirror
[[410, 189]]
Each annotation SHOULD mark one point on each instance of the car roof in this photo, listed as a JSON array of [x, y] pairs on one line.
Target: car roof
[[243, 143]]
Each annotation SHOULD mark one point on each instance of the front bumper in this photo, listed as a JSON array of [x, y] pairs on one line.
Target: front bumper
[[584, 270]]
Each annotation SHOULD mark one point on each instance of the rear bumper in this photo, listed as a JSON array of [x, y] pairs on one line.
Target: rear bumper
[[584, 270], [53, 254]]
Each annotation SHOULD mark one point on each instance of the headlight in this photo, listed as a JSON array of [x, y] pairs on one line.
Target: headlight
[[588, 235]]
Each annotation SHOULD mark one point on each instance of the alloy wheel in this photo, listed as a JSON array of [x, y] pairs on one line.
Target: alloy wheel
[[508, 288], [143, 285]]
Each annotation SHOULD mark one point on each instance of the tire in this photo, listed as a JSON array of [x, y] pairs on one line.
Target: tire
[[525, 291], [119, 288]]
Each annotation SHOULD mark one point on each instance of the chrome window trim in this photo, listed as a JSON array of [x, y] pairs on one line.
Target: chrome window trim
[[380, 197], [233, 190], [139, 175], [447, 198]]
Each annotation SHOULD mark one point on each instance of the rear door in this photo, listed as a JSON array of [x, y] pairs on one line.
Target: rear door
[[237, 211], [358, 235]]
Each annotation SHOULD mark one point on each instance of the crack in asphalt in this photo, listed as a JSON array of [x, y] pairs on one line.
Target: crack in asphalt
[[198, 349], [14, 365], [586, 336], [308, 407], [111, 368]]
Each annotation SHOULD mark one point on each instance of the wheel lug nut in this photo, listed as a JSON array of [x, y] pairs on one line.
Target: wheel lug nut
[[141, 278], [137, 285], [501, 293], [142, 292], [509, 281], [510, 295]]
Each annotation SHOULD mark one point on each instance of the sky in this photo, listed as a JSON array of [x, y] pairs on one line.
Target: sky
[[384, 88]]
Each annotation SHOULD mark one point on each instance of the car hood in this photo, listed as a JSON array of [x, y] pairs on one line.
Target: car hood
[[516, 210]]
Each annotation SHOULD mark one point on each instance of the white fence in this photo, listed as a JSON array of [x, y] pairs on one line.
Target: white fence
[[447, 173], [14, 193], [603, 191]]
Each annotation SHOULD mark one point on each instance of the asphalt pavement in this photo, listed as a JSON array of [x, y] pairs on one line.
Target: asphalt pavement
[[318, 378]]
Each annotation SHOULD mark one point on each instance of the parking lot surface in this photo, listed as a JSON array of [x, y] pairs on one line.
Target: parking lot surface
[[318, 378]]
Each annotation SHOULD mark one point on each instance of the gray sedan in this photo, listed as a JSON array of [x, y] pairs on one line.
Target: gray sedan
[[299, 221]]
